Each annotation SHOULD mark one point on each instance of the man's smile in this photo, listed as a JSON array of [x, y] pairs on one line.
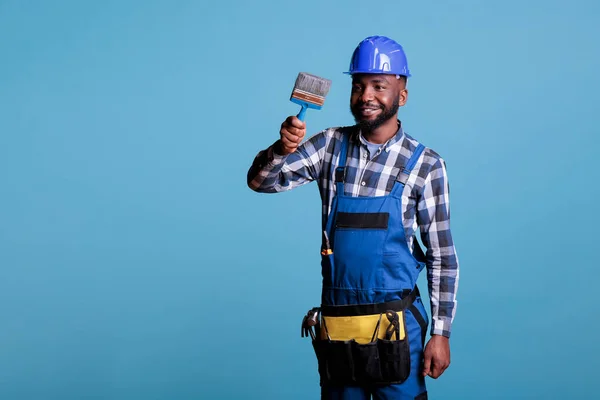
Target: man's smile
[[368, 111]]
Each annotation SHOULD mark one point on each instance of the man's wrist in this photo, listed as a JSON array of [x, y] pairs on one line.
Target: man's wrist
[[277, 148], [274, 153]]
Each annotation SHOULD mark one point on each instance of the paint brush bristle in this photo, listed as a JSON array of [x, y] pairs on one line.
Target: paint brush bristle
[[312, 84], [311, 89]]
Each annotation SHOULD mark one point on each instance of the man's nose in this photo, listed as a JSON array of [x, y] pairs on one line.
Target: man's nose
[[366, 95]]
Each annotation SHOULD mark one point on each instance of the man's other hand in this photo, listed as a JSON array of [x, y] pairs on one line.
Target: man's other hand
[[436, 356]]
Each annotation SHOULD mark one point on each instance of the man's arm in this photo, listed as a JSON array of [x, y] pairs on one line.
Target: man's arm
[[287, 164], [442, 265]]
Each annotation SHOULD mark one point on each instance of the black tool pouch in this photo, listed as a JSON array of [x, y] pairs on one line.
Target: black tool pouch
[[349, 363], [394, 358]]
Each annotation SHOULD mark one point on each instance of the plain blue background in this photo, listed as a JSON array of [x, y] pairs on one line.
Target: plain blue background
[[136, 264]]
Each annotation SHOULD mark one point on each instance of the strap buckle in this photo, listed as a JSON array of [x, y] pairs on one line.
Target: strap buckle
[[340, 174]]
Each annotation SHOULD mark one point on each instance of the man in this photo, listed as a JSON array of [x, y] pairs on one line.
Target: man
[[378, 185]]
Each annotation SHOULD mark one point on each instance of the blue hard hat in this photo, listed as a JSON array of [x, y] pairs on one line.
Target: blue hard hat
[[379, 55]]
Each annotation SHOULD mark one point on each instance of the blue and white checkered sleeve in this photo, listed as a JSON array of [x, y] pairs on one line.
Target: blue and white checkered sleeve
[[433, 213], [272, 173]]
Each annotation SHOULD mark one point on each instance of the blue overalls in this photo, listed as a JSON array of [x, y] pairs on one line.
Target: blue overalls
[[368, 268]]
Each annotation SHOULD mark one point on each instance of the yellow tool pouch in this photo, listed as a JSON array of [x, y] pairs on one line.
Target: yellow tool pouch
[[361, 345], [361, 328]]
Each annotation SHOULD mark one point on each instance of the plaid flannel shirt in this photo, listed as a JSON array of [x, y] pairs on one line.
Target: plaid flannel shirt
[[425, 199]]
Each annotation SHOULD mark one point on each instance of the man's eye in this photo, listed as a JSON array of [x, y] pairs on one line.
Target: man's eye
[[378, 87]]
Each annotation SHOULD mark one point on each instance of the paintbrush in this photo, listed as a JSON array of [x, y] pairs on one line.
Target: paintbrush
[[309, 92]]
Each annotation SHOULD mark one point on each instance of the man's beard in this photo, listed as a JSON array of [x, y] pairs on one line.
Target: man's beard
[[370, 125]]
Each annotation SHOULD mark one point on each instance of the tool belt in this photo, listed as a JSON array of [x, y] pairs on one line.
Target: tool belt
[[363, 344]]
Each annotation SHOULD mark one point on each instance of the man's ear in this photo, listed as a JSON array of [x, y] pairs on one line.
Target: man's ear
[[403, 97]]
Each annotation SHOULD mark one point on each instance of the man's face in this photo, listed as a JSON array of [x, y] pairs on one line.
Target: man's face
[[375, 99]]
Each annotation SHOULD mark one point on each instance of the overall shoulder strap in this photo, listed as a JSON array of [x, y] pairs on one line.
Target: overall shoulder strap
[[340, 171], [340, 175], [405, 173]]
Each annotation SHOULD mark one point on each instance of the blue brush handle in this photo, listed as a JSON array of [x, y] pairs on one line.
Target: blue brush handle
[[302, 112]]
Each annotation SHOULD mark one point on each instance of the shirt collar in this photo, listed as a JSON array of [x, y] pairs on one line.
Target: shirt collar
[[397, 138]]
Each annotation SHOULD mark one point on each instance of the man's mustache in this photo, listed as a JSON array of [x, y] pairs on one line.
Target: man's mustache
[[369, 105]]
